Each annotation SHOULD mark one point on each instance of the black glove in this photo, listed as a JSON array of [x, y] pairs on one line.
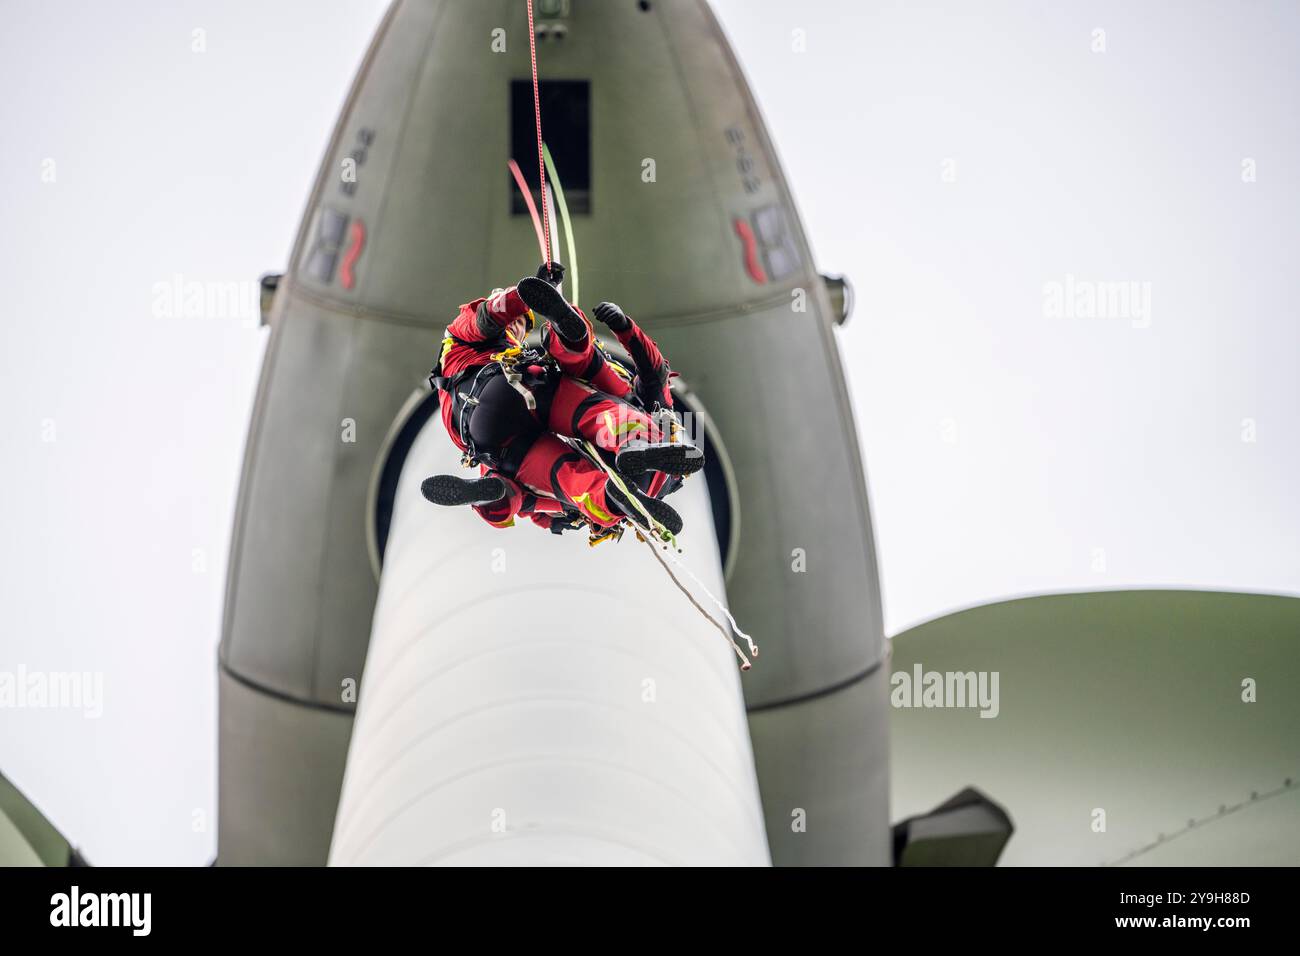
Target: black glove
[[559, 525], [612, 316], [554, 274]]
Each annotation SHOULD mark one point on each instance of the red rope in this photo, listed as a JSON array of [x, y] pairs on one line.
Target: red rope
[[527, 193], [537, 113]]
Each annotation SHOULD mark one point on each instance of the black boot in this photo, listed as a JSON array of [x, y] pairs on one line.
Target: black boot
[[661, 511], [545, 300], [672, 458], [450, 490]]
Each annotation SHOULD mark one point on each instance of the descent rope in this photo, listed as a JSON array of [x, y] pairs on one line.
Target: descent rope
[[537, 115], [744, 661], [653, 528]]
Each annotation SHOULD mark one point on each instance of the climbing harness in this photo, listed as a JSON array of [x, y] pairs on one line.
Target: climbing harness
[[509, 360], [515, 363]]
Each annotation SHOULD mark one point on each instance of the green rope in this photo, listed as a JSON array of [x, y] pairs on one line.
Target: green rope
[[654, 526], [572, 270]]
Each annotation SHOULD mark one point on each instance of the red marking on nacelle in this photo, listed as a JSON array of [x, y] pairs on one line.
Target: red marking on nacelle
[[752, 265], [346, 276]]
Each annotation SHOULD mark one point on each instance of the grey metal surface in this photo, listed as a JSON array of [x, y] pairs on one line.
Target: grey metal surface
[[280, 769], [822, 768], [301, 588], [797, 486], [1125, 731], [427, 125]]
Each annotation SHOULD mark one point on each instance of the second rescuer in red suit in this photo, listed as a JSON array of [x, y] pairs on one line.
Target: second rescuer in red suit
[[504, 406]]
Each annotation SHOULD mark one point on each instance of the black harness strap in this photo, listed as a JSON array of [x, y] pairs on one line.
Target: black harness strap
[[594, 365], [511, 458], [444, 382], [464, 388]]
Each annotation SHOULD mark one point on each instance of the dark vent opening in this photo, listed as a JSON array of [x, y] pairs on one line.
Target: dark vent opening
[[566, 127]]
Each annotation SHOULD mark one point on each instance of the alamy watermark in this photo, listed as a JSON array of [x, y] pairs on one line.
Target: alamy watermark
[[131, 911], [1076, 298], [616, 426], [946, 689], [22, 689], [182, 298]]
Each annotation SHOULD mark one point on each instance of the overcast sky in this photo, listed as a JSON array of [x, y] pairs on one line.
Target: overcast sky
[[988, 175]]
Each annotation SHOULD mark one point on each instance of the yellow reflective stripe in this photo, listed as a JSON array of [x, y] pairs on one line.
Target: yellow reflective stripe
[[616, 430], [584, 500]]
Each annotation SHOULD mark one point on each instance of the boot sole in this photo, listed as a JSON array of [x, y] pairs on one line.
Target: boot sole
[[450, 490], [670, 458], [661, 511], [544, 299]]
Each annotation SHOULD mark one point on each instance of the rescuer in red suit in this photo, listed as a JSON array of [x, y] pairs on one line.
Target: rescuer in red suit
[[504, 404]]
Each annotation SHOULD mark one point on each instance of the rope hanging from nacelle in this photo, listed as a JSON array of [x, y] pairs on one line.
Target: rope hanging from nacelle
[[537, 115], [652, 528]]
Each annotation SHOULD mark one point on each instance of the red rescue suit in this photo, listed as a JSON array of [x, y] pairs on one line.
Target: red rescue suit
[[589, 401]]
